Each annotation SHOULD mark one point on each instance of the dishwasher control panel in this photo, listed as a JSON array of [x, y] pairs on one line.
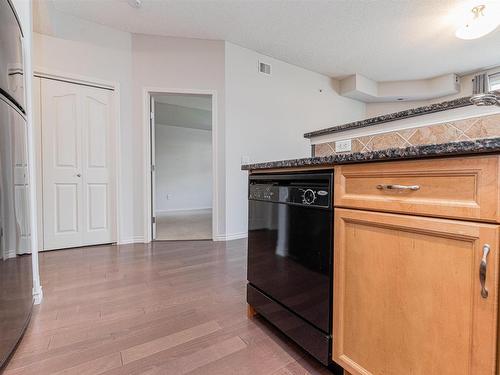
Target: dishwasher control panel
[[312, 192]]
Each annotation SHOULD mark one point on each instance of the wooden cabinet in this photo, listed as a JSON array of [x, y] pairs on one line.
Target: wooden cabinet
[[408, 296]]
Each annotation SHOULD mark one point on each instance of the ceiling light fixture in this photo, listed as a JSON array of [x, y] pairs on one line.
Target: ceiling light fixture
[[481, 21], [135, 3]]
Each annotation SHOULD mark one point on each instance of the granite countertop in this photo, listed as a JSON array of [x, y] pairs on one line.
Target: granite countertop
[[481, 146], [419, 111]]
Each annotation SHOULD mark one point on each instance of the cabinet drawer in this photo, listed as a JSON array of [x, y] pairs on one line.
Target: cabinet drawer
[[464, 188]]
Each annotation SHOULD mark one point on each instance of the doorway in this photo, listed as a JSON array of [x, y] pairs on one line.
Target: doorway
[[181, 166]]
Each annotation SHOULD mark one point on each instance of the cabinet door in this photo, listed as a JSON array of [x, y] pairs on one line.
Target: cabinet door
[[407, 295]]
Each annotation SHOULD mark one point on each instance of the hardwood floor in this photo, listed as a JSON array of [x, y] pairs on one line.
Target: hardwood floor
[[164, 308], [184, 225]]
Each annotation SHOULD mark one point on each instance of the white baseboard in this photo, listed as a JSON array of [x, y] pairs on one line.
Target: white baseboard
[[230, 237], [224, 237], [37, 295], [10, 254], [137, 239], [182, 209]]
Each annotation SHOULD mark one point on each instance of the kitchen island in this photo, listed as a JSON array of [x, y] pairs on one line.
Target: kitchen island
[[416, 257]]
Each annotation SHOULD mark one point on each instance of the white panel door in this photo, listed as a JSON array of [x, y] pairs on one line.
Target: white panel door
[[77, 168], [98, 174], [62, 164]]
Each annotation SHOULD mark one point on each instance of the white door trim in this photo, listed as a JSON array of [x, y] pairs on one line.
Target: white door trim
[[74, 78], [152, 129], [146, 95], [46, 73]]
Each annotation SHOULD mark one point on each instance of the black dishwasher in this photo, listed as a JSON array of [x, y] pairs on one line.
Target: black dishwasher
[[290, 260]]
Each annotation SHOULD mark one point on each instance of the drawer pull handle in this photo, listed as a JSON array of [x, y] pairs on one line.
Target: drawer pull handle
[[482, 271], [398, 187]]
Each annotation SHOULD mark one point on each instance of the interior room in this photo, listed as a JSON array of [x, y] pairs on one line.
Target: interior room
[[249, 187], [182, 171]]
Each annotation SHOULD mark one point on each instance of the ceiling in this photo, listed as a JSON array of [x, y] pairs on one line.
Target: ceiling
[[197, 101], [384, 40], [186, 111]]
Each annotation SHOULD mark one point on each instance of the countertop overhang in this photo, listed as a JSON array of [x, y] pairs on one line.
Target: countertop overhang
[[481, 146]]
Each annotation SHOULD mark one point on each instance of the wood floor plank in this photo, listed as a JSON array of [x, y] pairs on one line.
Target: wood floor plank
[[94, 367], [72, 355], [160, 308], [202, 357], [163, 343]]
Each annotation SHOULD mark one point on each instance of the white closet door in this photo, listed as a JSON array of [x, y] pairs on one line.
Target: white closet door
[[62, 164], [97, 172], [77, 172]]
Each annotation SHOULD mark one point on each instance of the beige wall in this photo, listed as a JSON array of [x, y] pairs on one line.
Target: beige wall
[[109, 64], [266, 117], [71, 45], [181, 63], [183, 165]]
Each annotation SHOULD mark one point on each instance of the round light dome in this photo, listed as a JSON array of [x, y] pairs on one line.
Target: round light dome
[[482, 21]]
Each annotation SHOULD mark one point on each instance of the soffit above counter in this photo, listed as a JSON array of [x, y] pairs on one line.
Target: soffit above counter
[[366, 90], [395, 116]]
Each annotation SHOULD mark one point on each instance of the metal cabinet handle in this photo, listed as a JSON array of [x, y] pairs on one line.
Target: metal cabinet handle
[[78, 175], [482, 271], [398, 187]]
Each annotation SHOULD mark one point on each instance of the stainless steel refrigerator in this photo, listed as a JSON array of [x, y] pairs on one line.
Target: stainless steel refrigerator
[[16, 297]]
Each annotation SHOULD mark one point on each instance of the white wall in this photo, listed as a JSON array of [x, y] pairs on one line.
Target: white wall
[[111, 62], [183, 168], [266, 117], [182, 64]]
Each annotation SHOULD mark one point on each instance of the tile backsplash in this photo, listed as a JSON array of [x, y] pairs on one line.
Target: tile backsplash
[[460, 130]]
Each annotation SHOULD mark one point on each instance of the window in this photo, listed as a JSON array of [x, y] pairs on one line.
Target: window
[[495, 82]]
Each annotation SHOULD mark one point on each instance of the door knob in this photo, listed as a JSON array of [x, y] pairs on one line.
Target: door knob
[[78, 175]]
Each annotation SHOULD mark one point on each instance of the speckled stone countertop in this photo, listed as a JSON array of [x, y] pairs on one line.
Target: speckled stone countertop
[[419, 111], [482, 146]]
